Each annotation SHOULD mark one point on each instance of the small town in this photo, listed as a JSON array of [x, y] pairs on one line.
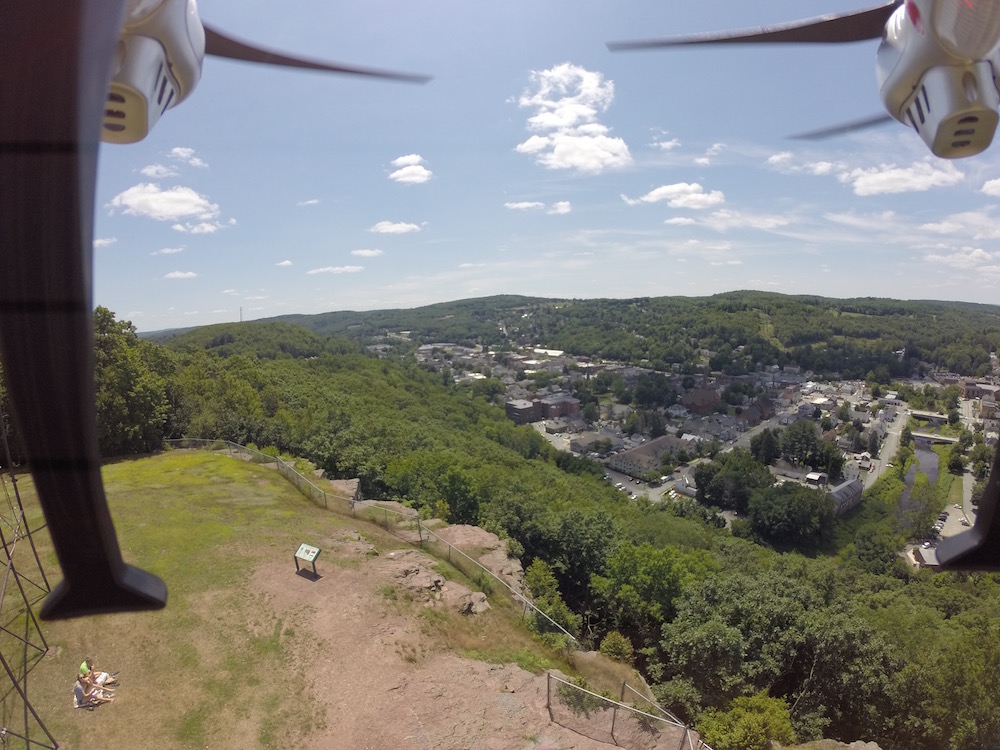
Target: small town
[[706, 419]]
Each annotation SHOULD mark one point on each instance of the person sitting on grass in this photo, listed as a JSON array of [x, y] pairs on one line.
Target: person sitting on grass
[[99, 679], [88, 694]]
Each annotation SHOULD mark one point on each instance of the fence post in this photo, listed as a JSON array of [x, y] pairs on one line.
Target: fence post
[[548, 693], [420, 532], [614, 712]]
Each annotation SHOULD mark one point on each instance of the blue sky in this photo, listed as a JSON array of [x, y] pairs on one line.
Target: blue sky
[[535, 162]]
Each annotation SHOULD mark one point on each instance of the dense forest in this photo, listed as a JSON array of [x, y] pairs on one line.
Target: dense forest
[[825, 634], [845, 337]]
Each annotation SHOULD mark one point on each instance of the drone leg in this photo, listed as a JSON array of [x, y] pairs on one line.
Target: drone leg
[[55, 67]]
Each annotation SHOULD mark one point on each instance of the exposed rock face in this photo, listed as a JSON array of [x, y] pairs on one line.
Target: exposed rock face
[[475, 603], [414, 572], [489, 551], [421, 579]]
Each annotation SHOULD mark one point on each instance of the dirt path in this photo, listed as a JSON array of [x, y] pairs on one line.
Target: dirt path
[[380, 681]]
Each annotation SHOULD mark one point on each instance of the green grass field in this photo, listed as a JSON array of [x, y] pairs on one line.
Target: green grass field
[[217, 667], [201, 522]]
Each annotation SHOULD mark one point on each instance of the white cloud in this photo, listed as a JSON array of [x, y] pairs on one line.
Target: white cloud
[[888, 178], [150, 200], [724, 219], [881, 180], [567, 135], [158, 171], [559, 207], [714, 150], [181, 275], [367, 252], [284, 264], [310, 202], [409, 160], [203, 227], [667, 145], [105, 241], [390, 227], [978, 225], [820, 168], [410, 170], [680, 195], [992, 188], [230, 292], [168, 251], [335, 270], [867, 222], [414, 174], [187, 155], [966, 258]]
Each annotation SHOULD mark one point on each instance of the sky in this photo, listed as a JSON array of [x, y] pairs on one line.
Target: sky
[[535, 162]]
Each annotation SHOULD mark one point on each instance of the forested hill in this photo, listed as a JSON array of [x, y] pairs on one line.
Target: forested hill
[[824, 632], [847, 337]]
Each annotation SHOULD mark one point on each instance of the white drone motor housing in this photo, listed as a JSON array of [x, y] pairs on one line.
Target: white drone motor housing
[[158, 65], [954, 109]]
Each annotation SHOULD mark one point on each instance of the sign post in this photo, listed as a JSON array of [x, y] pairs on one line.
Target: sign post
[[307, 553]]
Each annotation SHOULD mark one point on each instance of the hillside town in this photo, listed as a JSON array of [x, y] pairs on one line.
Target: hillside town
[[541, 386]]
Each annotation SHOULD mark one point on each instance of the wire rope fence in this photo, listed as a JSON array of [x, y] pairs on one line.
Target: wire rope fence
[[643, 726], [403, 523]]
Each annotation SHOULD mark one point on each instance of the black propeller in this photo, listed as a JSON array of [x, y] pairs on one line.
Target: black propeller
[[222, 45], [846, 127], [55, 68], [853, 26], [979, 547], [55, 71]]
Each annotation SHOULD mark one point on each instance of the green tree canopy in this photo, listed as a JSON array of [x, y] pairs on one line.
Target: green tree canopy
[[131, 398], [752, 723]]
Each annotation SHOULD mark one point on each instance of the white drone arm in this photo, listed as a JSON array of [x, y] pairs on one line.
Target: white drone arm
[[158, 65]]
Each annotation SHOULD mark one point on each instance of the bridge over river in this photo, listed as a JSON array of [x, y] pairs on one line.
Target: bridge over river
[[934, 438]]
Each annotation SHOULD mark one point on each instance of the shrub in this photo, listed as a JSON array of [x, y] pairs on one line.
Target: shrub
[[616, 646]]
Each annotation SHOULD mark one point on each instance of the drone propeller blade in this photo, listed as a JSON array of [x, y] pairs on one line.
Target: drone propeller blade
[[854, 26], [847, 127], [222, 45], [979, 547], [48, 169]]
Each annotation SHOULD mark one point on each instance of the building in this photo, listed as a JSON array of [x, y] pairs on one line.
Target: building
[[847, 495], [756, 412], [817, 478], [522, 411], [559, 405], [637, 462], [700, 400]]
